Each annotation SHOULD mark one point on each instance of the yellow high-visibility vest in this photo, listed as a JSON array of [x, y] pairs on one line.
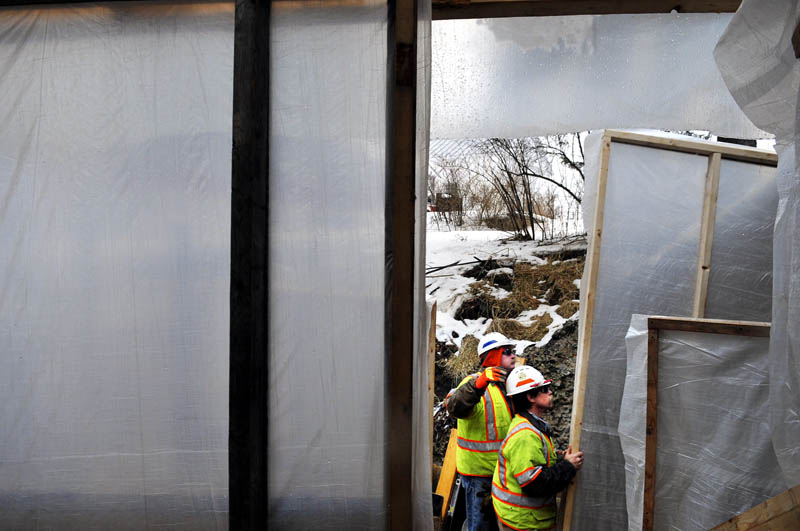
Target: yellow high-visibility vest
[[481, 434], [523, 454]]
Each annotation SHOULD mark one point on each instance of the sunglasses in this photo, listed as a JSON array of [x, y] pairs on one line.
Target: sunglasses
[[508, 351]]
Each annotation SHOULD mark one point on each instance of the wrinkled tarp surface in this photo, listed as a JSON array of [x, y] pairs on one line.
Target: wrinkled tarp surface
[[714, 455], [756, 58], [115, 150], [115, 184], [529, 76], [648, 260]]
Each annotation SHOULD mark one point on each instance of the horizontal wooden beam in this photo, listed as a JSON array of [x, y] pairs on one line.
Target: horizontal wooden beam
[[699, 147], [459, 9], [709, 326]]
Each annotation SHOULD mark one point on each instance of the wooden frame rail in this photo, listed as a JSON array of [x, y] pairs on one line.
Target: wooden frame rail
[[715, 152], [656, 324], [459, 9]]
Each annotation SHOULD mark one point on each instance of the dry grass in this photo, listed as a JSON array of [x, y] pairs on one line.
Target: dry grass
[[568, 309], [466, 362], [553, 283], [514, 330], [532, 285]]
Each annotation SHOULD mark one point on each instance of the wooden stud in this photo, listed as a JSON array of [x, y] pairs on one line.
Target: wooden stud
[[447, 477], [401, 112], [710, 326], [432, 371], [706, 235], [651, 425], [248, 438], [584, 347], [699, 147], [780, 512], [459, 9]]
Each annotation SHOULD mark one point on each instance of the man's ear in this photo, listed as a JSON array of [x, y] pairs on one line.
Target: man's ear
[[531, 398]]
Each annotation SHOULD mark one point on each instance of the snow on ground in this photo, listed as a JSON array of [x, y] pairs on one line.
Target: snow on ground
[[449, 287]]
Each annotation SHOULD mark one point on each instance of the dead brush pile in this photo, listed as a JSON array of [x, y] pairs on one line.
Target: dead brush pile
[[551, 283]]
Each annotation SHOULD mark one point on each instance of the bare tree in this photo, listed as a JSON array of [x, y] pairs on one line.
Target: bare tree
[[522, 171]]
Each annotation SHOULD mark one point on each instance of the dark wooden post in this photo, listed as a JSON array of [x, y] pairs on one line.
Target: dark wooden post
[[249, 369], [400, 204]]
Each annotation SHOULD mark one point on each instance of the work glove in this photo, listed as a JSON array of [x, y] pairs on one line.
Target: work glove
[[497, 375]]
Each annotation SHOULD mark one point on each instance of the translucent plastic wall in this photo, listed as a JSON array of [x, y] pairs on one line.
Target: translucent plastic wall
[[648, 260], [757, 61], [517, 77], [740, 281], [714, 456], [115, 142], [326, 228], [651, 234]]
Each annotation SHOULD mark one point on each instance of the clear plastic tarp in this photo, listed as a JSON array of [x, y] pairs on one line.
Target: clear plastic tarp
[[115, 150], [520, 77], [757, 61], [328, 259], [714, 457], [326, 231], [648, 260], [740, 280]]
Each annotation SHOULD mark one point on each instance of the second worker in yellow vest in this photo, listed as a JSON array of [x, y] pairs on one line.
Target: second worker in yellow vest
[[484, 414], [528, 475]]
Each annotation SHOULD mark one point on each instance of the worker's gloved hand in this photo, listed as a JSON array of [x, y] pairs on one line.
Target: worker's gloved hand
[[497, 375]]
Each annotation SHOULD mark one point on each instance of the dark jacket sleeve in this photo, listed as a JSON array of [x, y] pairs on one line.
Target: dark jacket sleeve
[[460, 401], [551, 480]]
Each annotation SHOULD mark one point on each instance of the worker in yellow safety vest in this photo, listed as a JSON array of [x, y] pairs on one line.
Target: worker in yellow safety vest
[[484, 414], [528, 474]]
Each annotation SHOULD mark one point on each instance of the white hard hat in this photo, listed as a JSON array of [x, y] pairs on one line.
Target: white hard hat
[[524, 378], [491, 341]]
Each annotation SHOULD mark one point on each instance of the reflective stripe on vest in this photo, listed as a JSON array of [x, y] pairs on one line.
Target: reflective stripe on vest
[[479, 446], [481, 435], [520, 500], [501, 460], [491, 429]]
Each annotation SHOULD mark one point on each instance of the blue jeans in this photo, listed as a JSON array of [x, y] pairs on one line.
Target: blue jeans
[[474, 489]]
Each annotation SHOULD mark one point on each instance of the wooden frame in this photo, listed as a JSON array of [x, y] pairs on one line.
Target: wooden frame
[[401, 112], [715, 152], [248, 435], [456, 9], [654, 326]]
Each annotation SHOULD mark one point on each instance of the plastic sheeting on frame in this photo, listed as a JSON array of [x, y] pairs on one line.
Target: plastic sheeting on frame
[[115, 234], [328, 258], [756, 58], [648, 260], [714, 456], [520, 77]]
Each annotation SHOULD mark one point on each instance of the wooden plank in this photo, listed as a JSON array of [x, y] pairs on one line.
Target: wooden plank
[[448, 475], [710, 326], [699, 147], [459, 9], [584, 347], [401, 112], [248, 437], [780, 512], [432, 371], [651, 425], [706, 235]]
